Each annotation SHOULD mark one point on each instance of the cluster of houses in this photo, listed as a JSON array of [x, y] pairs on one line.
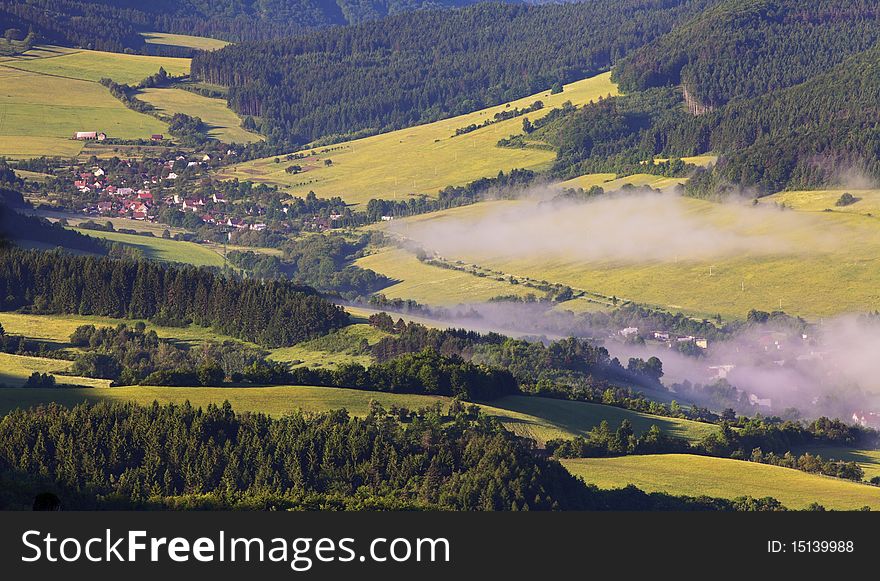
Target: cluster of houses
[[671, 339]]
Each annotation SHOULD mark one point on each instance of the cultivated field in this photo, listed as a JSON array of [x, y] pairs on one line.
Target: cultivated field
[[420, 159], [184, 40], [685, 474], [164, 250], [835, 255], [39, 114], [93, 65], [433, 284], [223, 123]]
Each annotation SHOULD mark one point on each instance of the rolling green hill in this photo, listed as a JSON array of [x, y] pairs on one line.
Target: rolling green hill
[[421, 159], [816, 250], [719, 477]]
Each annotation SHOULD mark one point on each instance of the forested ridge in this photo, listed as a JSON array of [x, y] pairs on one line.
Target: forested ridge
[[747, 48], [114, 455], [786, 93], [114, 24], [271, 313], [426, 65]]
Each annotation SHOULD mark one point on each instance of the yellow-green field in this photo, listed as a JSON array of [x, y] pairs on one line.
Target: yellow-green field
[[93, 65], [546, 418], [867, 201], [610, 182], [420, 159], [40, 113], [165, 250], [433, 284], [331, 350], [223, 123], [184, 40], [819, 263], [543, 419], [684, 474], [59, 328], [15, 369]]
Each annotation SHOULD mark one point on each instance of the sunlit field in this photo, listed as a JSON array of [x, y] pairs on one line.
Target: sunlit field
[[422, 159], [830, 262], [684, 474]]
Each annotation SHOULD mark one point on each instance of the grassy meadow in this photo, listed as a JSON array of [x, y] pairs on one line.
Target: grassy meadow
[[222, 121], [15, 369], [164, 250], [610, 182], [93, 65], [184, 40], [40, 113], [422, 159], [690, 475], [835, 255], [433, 284]]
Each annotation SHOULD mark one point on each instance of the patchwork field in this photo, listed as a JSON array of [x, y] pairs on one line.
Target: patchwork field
[[93, 65], [420, 159], [223, 123], [776, 255], [184, 40], [685, 474], [39, 114]]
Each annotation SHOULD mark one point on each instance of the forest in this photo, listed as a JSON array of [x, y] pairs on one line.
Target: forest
[[271, 313], [114, 24], [125, 456], [788, 98], [426, 65]]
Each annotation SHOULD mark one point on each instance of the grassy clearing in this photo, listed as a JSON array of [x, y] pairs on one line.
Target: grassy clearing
[[543, 419], [342, 346], [93, 65], [162, 249], [836, 255], [223, 123], [433, 284], [184, 40], [685, 474], [420, 159], [40, 113], [15, 369], [869, 460], [58, 328], [610, 182], [867, 202]]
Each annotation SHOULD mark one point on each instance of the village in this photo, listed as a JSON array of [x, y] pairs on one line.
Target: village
[[146, 190]]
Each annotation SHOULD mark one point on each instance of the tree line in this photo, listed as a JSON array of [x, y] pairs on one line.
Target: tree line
[[427, 65], [271, 313], [121, 455]]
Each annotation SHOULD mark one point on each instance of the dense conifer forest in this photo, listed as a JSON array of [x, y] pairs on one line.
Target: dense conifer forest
[[427, 65], [271, 313], [128, 456]]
